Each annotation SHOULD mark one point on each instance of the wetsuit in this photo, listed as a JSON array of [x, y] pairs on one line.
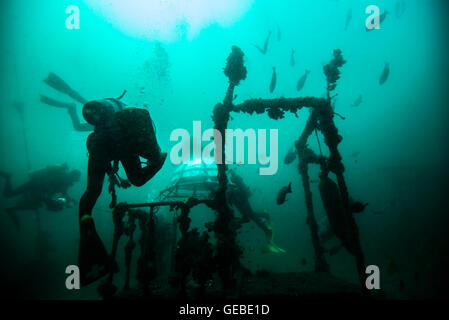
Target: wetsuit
[[108, 143], [112, 140], [40, 190]]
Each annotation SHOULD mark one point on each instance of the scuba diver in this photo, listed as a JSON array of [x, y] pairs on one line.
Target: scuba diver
[[120, 135], [47, 187], [238, 195]]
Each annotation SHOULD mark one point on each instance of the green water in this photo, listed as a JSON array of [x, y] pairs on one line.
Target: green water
[[400, 128]]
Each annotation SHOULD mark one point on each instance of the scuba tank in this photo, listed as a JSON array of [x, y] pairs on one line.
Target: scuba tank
[[135, 124], [138, 130], [49, 172], [100, 112]]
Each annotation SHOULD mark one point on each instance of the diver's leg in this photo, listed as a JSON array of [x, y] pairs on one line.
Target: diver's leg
[[9, 191], [139, 175], [95, 177], [93, 259], [263, 221]]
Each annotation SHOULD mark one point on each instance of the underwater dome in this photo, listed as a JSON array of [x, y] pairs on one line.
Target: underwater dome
[[195, 178]]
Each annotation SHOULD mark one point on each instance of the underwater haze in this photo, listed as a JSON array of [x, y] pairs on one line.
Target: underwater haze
[[169, 56]]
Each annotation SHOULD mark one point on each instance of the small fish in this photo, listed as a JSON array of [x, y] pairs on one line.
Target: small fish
[[314, 181], [400, 8], [292, 58], [273, 80], [385, 73], [290, 156], [303, 261], [265, 46], [358, 101], [355, 154], [383, 16], [378, 212], [279, 33], [235, 96], [282, 194], [348, 19], [302, 80], [358, 207]]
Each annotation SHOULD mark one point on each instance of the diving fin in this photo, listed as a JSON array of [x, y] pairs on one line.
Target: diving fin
[[93, 259], [56, 103], [60, 85], [272, 247]]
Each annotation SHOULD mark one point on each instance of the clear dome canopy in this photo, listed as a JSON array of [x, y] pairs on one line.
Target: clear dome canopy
[[193, 179]]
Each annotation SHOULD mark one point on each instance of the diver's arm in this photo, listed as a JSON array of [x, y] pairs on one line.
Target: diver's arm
[[77, 125]]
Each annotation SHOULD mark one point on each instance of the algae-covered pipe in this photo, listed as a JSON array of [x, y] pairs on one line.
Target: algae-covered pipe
[[321, 264]]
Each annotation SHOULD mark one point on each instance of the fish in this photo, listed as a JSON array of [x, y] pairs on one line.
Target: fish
[[292, 58], [385, 73], [265, 46], [400, 8], [282, 194], [358, 101], [358, 207], [314, 181], [290, 156], [383, 16], [279, 33], [273, 80], [348, 19], [355, 154], [303, 261], [378, 212], [302, 80]]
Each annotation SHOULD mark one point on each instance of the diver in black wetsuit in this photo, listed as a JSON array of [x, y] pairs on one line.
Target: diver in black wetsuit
[[45, 187], [238, 195], [119, 135]]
